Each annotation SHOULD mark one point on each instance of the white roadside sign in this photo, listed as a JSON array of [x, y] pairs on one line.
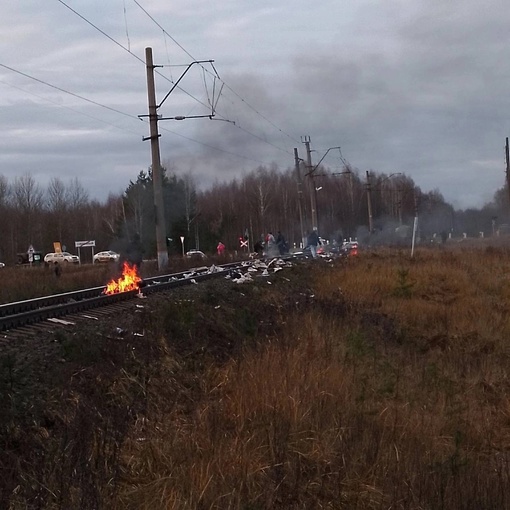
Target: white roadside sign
[[84, 244]]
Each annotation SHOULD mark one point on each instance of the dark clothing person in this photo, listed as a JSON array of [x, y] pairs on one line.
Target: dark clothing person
[[313, 242], [280, 242], [259, 248], [313, 238]]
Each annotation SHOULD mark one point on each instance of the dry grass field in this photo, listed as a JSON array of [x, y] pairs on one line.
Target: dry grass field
[[377, 382]]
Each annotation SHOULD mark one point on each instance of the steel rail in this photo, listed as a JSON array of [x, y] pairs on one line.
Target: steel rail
[[21, 313]]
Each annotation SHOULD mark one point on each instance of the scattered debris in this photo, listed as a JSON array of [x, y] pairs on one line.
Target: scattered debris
[[61, 321], [90, 317]]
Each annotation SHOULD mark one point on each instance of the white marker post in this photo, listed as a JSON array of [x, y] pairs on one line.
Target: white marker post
[[415, 228], [182, 242]]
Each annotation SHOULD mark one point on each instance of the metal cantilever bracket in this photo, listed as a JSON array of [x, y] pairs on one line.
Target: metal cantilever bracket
[[145, 138]]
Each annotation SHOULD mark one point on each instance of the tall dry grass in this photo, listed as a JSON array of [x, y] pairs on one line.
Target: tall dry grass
[[23, 282], [391, 391]]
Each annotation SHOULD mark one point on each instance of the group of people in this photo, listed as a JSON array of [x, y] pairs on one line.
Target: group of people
[[271, 246]]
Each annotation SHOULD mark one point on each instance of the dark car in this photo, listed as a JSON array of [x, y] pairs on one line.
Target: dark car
[[24, 258]]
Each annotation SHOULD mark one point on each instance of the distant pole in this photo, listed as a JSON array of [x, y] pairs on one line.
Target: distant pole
[[415, 224], [399, 205], [156, 164], [300, 194], [313, 195], [507, 167], [369, 204]]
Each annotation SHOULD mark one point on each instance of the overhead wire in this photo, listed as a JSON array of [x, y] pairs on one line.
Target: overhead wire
[[126, 23], [78, 96], [206, 70], [189, 54], [101, 31], [108, 123], [121, 46], [128, 50], [213, 147], [68, 108], [108, 108]]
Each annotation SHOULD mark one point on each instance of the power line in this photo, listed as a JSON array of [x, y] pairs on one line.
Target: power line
[[83, 98], [102, 31], [123, 47], [213, 147], [180, 88], [69, 108], [258, 113], [68, 92], [114, 110], [164, 31], [206, 70]]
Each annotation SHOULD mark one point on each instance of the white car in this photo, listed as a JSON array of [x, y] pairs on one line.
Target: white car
[[2, 264], [63, 257], [196, 254], [106, 256]]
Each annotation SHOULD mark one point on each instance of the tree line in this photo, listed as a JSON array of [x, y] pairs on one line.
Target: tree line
[[266, 199]]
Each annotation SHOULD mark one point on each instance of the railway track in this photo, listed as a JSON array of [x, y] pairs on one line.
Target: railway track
[[21, 316]]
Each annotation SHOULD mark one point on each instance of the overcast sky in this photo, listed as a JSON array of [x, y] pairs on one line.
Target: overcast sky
[[412, 86]]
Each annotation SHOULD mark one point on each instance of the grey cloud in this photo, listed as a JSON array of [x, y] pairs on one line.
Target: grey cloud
[[416, 86]]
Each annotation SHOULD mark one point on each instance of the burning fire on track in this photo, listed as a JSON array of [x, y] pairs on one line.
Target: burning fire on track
[[130, 280]]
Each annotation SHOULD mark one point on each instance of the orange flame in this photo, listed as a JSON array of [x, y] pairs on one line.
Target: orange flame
[[128, 281]]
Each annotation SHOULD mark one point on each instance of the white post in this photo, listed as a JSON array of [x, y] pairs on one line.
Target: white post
[[415, 227], [182, 242]]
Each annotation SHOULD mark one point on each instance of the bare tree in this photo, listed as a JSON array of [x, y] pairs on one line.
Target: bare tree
[[76, 194], [6, 225], [28, 200], [56, 195], [57, 202]]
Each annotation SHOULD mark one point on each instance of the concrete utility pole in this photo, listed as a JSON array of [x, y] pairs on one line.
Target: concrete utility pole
[[300, 193], [369, 203], [507, 166], [399, 205], [313, 194], [159, 207]]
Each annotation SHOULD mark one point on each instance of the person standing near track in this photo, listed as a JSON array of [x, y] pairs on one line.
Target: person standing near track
[[313, 242]]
